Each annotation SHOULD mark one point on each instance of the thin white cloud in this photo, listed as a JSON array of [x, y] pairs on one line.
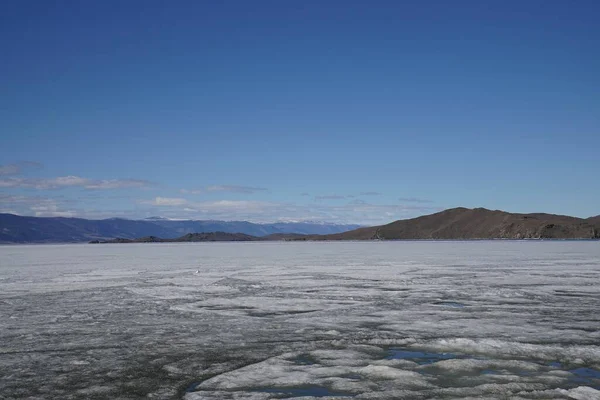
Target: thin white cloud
[[10, 169], [357, 202], [191, 191], [414, 200], [235, 189], [117, 184], [205, 205], [13, 182], [72, 181], [345, 196], [37, 206], [57, 206], [235, 204], [63, 181], [52, 211], [370, 194], [18, 167], [168, 201], [224, 189], [332, 197]]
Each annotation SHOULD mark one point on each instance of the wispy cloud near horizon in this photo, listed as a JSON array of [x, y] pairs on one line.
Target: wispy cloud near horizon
[[18, 167], [235, 189], [355, 211], [343, 208], [35, 205], [225, 189], [370, 194], [345, 196], [167, 201], [72, 181], [414, 200], [333, 197]]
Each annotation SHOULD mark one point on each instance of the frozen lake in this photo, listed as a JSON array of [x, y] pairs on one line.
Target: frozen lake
[[361, 320]]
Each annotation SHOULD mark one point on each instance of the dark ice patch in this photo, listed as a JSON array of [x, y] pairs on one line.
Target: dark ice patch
[[420, 357], [354, 377], [192, 387], [304, 359], [490, 372], [314, 391], [450, 304], [555, 364], [586, 376]]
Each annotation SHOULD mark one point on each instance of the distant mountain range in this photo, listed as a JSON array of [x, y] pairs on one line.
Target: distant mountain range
[[455, 223], [477, 223], [20, 229]]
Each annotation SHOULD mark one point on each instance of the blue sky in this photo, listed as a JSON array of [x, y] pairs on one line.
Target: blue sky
[[344, 111]]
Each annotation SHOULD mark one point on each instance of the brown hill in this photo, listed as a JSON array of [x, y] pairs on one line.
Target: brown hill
[[478, 223], [594, 220]]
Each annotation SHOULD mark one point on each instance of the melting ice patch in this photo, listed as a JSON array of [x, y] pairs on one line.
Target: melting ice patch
[[362, 371], [443, 320]]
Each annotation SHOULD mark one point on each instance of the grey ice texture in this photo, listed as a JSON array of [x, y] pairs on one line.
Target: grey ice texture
[[361, 320]]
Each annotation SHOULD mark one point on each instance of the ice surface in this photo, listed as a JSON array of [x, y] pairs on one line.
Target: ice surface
[[362, 320]]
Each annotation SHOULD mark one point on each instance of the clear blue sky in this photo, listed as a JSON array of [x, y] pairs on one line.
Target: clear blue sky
[[348, 111]]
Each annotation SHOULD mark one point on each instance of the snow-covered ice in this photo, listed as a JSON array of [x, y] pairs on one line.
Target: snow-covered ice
[[362, 320]]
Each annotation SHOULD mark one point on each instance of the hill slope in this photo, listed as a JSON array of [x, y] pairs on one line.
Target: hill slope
[[478, 223], [594, 220]]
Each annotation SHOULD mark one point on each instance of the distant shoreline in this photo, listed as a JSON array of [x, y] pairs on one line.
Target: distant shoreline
[[452, 224], [310, 241]]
